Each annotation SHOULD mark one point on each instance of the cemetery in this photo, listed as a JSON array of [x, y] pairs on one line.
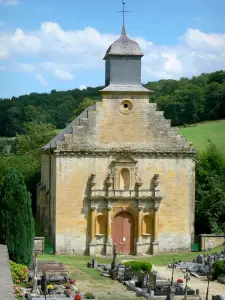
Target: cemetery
[[52, 279]]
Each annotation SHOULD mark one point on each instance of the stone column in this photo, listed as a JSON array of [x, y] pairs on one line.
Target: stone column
[[92, 231], [139, 240], [109, 232], [155, 243]]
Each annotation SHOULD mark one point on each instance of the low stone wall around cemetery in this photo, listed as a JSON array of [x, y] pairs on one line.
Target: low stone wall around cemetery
[[209, 241], [6, 284]]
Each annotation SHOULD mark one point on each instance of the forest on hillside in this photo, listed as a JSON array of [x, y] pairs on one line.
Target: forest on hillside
[[184, 101]]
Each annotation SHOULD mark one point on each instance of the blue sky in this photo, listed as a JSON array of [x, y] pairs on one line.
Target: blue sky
[[59, 44]]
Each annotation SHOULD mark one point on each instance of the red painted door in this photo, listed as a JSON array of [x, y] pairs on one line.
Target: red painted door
[[123, 233]]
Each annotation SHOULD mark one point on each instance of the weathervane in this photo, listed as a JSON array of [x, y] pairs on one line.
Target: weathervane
[[123, 11]]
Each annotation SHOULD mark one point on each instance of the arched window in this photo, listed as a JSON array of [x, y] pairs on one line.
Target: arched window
[[125, 179], [100, 225]]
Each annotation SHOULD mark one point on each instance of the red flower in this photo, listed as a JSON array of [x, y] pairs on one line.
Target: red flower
[[180, 280], [72, 281]]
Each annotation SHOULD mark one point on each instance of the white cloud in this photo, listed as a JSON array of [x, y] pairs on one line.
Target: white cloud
[[60, 53], [63, 75], [10, 2], [82, 87], [41, 79]]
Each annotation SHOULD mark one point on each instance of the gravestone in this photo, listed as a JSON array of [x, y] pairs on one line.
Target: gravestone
[[128, 274], [94, 263], [121, 269], [218, 297], [113, 264], [152, 280], [170, 292]]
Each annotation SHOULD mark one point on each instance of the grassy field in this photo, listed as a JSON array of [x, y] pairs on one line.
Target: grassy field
[[162, 259], [198, 134]]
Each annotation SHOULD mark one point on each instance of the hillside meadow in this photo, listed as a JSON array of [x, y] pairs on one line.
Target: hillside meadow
[[199, 134]]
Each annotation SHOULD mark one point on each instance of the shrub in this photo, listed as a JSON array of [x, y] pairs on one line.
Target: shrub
[[139, 265], [221, 279], [89, 296], [219, 268], [16, 220], [19, 273]]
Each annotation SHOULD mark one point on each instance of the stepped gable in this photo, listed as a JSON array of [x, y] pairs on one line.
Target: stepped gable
[[98, 128]]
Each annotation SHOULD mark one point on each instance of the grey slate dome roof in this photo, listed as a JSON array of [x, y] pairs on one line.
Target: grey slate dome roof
[[124, 46]]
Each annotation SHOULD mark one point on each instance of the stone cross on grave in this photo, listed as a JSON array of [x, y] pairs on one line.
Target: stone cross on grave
[[35, 290], [35, 264], [113, 264], [187, 278], [173, 267]]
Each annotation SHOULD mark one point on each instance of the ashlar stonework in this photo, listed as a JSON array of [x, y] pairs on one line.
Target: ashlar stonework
[[119, 173]]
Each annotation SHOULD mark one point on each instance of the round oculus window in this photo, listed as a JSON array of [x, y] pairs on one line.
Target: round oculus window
[[125, 107]]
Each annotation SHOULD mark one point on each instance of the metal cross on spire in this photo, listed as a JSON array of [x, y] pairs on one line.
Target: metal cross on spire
[[123, 11]]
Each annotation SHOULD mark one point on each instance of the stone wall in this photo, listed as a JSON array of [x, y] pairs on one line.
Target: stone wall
[[6, 284], [209, 241]]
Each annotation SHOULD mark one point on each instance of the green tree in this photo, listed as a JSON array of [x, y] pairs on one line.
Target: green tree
[[35, 137], [83, 105], [16, 220], [215, 101], [210, 191]]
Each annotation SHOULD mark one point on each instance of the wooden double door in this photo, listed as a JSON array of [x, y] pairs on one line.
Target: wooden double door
[[123, 233]]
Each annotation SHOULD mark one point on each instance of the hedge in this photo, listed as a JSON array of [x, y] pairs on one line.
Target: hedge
[[139, 265], [219, 268]]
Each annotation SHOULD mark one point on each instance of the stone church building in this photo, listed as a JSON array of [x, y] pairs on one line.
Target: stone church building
[[119, 173]]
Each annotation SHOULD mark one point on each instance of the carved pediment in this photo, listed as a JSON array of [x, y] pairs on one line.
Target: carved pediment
[[124, 160]]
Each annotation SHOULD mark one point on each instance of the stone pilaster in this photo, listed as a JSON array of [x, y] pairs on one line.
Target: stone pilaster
[[155, 244], [109, 229], [92, 243], [139, 243]]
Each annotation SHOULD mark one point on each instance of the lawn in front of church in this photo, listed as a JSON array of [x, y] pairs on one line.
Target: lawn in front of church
[[90, 280]]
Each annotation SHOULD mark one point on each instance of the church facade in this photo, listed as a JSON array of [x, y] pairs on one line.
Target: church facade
[[119, 173]]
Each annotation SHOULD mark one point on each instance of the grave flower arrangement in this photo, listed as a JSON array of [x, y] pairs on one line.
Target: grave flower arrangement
[[50, 287], [180, 280], [18, 292], [72, 281], [67, 286], [77, 296], [68, 293], [19, 273]]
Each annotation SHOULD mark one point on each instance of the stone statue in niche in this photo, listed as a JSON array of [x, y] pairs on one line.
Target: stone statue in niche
[[139, 183], [109, 180]]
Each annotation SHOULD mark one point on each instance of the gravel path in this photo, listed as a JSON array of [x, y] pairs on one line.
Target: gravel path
[[215, 288]]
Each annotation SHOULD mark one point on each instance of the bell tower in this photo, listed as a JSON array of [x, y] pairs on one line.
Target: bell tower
[[123, 66]]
